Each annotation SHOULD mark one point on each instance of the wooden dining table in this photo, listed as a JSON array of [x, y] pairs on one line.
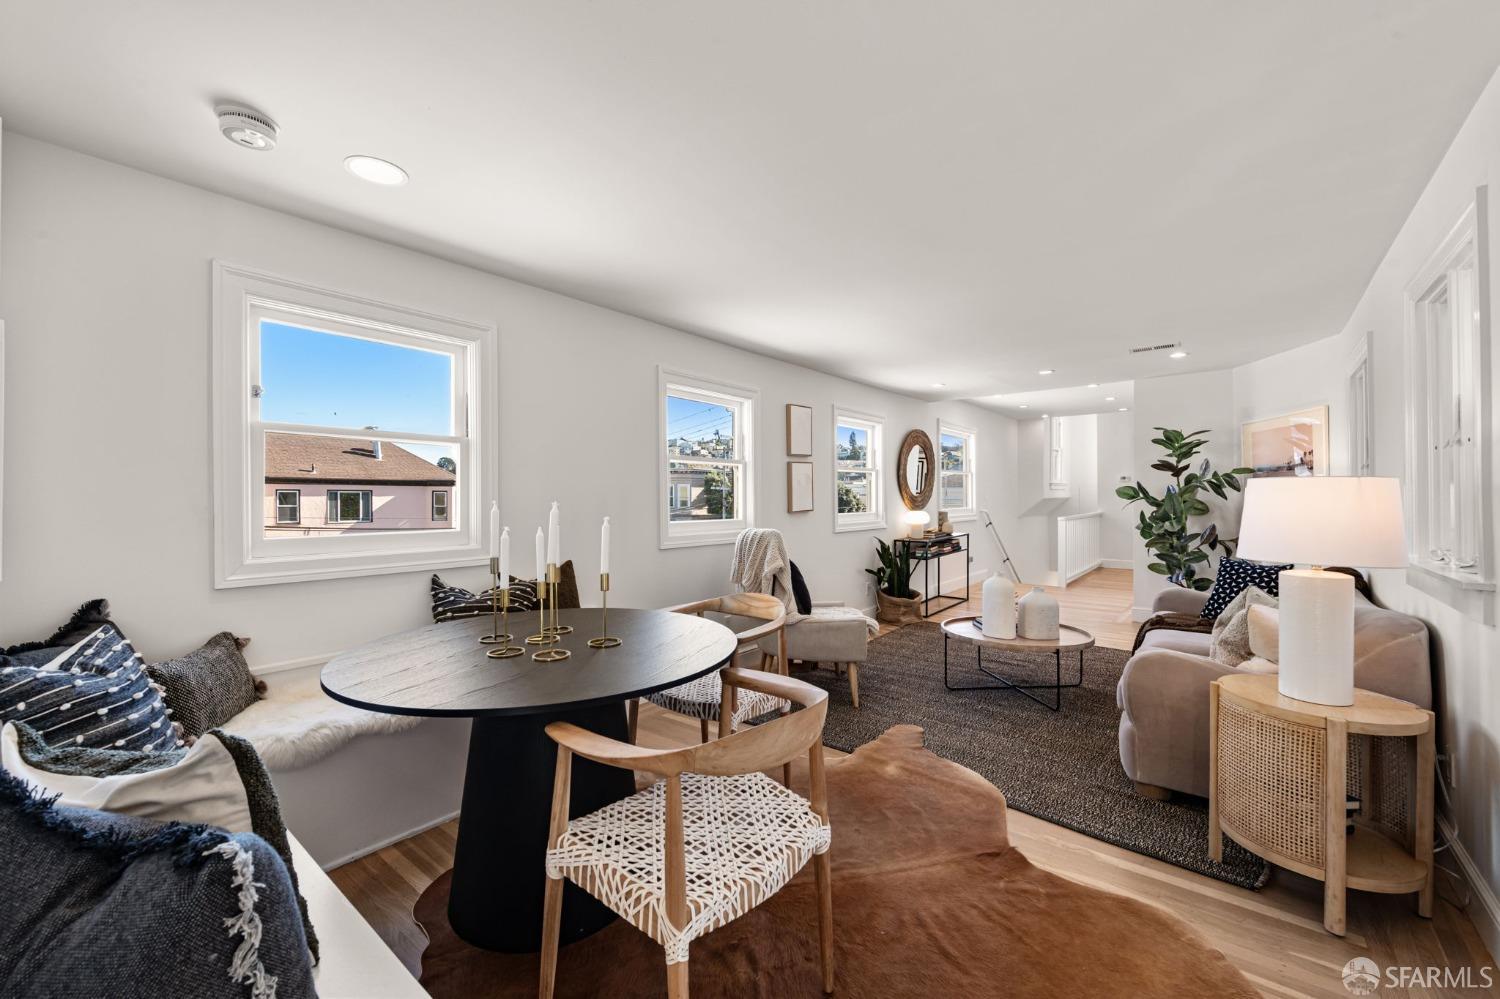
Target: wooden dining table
[[441, 671]]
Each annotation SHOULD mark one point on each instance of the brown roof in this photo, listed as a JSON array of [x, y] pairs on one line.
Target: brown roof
[[303, 458]]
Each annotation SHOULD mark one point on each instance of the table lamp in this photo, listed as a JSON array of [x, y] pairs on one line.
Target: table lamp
[[1320, 521], [916, 522]]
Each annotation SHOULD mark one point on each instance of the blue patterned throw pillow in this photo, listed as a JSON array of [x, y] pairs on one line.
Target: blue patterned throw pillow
[[1234, 575], [95, 693]]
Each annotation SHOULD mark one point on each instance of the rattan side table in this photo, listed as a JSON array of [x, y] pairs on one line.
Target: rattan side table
[[1280, 773]]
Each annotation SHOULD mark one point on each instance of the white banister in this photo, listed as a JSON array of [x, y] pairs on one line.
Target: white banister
[[1078, 549]]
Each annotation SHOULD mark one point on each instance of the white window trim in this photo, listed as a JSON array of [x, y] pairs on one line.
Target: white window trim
[[242, 555], [1360, 446], [678, 534], [1472, 593], [970, 510], [332, 512], [874, 519]]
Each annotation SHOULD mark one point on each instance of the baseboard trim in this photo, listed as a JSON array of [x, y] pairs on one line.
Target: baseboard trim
[[388, 841], [1486, 915], [287, 665], [1140, 613], [1117, 563]]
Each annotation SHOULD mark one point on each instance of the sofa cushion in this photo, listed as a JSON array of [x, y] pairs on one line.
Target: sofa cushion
[[296, 724], [1234, 574], [209, 685], [95, 693], [1230, 643], [219, 781], [1192, 642], [801, 596], [111, 905]]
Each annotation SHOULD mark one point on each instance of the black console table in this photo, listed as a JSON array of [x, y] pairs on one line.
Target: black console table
[[930, 550]]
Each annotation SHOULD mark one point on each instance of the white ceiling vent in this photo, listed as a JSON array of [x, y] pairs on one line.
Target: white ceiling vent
[[1153, 348], [247, 127]]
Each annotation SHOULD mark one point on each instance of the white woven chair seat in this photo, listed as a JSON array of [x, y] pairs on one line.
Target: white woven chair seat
[[744, 837], [701, 698]]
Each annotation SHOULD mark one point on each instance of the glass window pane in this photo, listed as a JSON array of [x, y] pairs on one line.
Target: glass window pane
[[852, 446], [954, 456], [354, 484], [854, 492], [701, 492], [954, 495], [697, 429], [328, 379]]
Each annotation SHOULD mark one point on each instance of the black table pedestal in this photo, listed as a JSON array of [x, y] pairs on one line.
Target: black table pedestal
[[499, 873]]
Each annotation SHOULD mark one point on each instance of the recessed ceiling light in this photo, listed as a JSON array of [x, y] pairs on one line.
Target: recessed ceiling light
[[1023, 406], [1047, 371], [1093, 384], [1124, 409], [375, 170], [1177, 355], [1044, 416], [939, 384], [1109, 398]]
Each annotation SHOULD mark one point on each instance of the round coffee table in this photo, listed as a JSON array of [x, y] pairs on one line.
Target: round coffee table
[[966, 627], [441, 671]]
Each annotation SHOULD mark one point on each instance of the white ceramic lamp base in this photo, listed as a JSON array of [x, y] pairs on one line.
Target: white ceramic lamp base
[[1317, 636]]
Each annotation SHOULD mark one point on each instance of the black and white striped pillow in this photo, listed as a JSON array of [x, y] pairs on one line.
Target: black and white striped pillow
[[452, 603], [95, 694]]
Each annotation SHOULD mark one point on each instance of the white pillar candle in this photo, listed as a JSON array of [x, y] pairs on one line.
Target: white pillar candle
[[554, 536], [505, 559], [541, 555], [494, 529], [604, 548]]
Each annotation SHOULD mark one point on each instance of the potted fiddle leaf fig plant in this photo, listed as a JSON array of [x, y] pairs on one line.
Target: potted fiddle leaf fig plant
[[1178, 551], [896, 602]]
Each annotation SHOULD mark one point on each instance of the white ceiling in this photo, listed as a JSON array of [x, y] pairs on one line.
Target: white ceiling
[[906, 194], [1069, 400]]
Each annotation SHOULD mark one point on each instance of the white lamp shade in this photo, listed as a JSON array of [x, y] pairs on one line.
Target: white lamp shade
[[1324, 520], [917, 517]]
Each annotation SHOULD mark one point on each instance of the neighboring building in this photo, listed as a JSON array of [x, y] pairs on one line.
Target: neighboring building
[[333, 485]]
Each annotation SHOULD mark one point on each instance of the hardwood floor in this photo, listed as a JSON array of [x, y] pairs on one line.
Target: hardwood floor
[[1275, 935]]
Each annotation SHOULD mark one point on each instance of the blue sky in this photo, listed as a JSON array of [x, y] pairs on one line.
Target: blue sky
[[342, 381], [696, 420]]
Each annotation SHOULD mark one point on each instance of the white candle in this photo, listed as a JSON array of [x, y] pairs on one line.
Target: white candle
[[554, 536], [541, 555], [505, 559], [494, 529], [604, 548]]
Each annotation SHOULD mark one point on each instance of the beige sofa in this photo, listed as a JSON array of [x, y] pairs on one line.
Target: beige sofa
[[1163, 692]]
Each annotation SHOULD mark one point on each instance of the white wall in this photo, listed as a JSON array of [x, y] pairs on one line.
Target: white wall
[[1115, 457], [1196, 401], [106, 292]]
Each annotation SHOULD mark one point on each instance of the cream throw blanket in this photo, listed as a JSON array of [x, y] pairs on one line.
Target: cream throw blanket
[[760, 559]]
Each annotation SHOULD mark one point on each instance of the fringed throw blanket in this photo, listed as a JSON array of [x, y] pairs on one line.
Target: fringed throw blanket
[[760, 560]]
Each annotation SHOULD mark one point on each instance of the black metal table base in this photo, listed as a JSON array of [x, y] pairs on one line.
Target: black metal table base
[[1057, 686]]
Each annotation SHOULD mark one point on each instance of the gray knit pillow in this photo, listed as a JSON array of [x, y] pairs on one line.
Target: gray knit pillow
[[208, 686]]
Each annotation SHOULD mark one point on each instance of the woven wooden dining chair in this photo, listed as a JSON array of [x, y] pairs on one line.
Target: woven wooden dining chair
[[710, 840], [701, 698]]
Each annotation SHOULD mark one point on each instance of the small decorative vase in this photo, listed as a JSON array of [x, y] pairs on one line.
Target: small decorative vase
[[1038, 615], [998, 606]]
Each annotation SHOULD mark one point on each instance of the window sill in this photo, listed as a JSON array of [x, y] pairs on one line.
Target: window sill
[[701, 538], [1465, 592], [841, 526], [962, 515], [266, 572]]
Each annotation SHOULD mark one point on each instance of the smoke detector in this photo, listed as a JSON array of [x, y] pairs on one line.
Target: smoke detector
[[247, 127]]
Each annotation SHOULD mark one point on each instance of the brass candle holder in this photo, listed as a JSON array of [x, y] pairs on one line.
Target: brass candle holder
[[554, 582], [507, 650], [549, 635], [541, 636], [496, 636], [605, 640]]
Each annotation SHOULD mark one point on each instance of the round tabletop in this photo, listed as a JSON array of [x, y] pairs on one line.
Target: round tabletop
[[966, 626], [441, 670]]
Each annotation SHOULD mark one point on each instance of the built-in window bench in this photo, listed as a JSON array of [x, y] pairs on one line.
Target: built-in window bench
[[351, 781]]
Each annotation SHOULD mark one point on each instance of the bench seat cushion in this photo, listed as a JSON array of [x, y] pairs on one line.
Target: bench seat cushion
[[296, 724]]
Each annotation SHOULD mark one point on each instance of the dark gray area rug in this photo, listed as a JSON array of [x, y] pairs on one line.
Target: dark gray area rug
[[1063, 767]]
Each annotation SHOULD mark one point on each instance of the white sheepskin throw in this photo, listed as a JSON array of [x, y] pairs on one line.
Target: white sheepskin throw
[[296, 724]]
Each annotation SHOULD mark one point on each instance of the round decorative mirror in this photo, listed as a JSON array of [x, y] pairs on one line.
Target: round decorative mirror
[[915, 470]]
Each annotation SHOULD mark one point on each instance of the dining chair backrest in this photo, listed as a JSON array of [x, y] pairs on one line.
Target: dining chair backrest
[[756, 606]]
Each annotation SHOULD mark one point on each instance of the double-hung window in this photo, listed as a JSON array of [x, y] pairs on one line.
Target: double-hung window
[[1448, 413], [858, 488], [288, 506], [707, 493], [341, 416], [956, 471]]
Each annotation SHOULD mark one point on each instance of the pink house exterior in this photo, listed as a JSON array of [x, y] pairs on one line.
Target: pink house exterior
[[338, 485]]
